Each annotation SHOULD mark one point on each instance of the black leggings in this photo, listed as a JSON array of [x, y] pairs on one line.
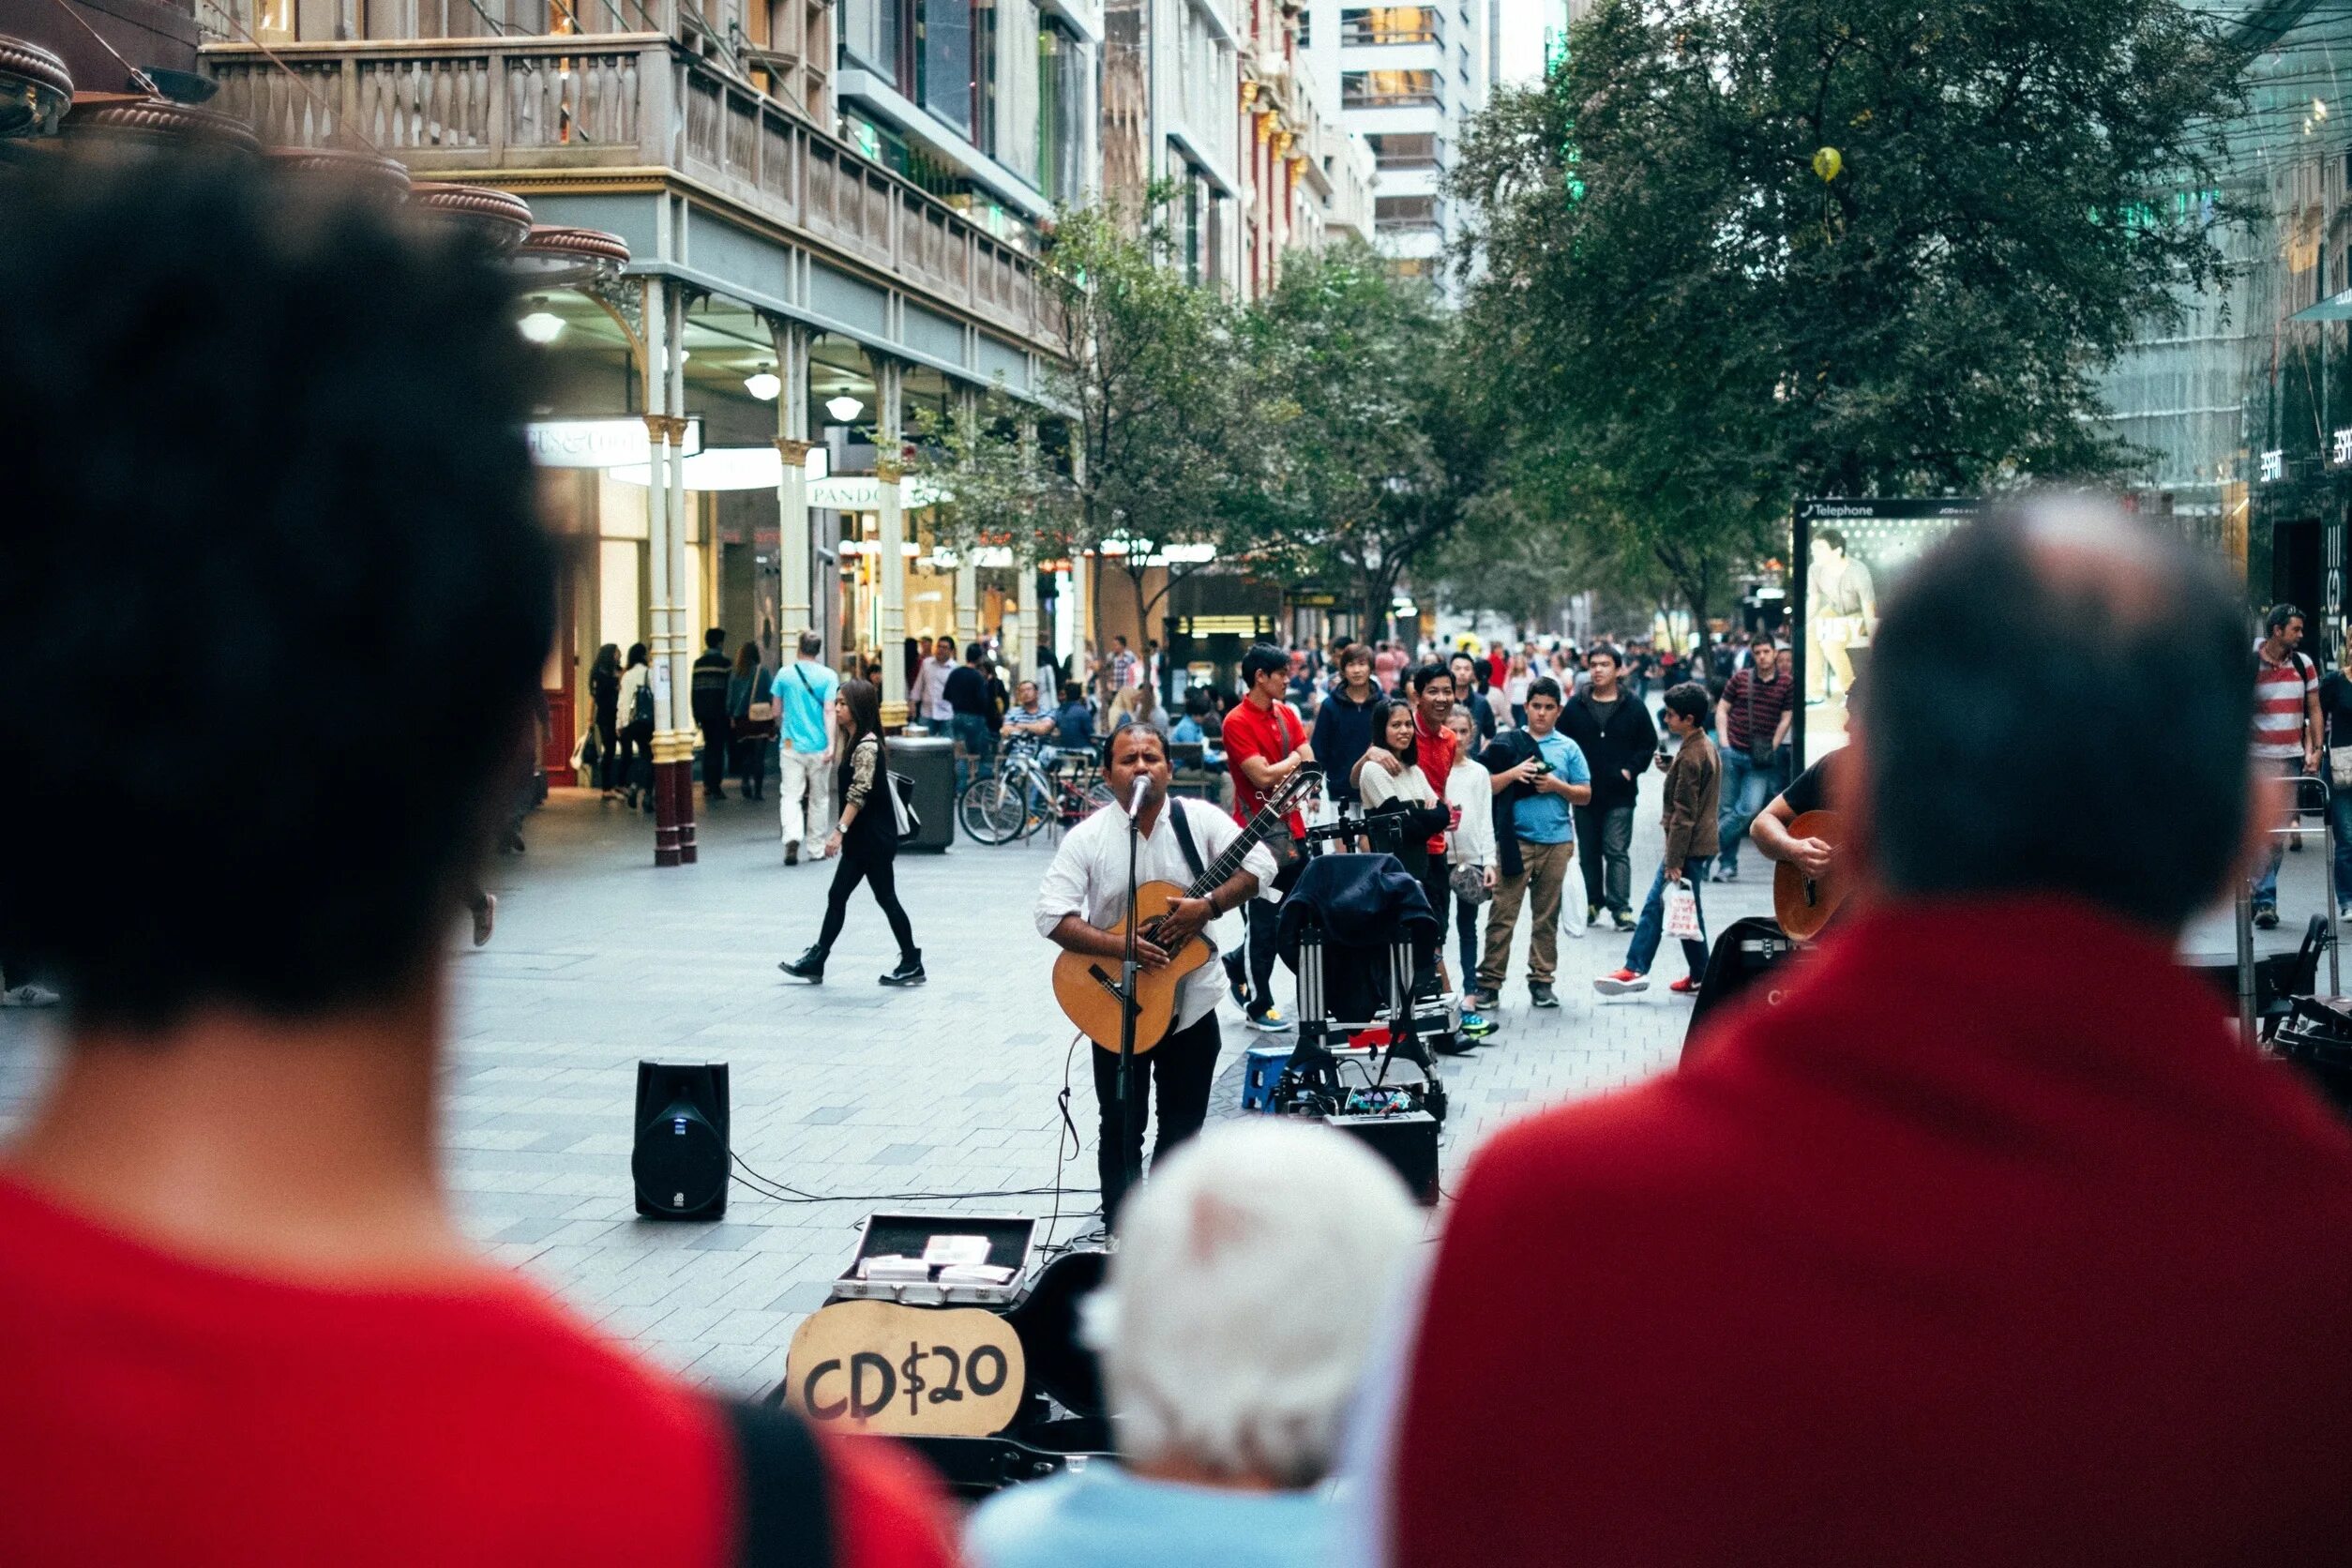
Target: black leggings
[[879, 868]]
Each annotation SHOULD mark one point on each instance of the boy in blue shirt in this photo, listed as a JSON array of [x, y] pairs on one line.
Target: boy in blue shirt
[[1541, 777]]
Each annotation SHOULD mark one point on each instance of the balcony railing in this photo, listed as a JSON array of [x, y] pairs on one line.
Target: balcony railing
[[486, 107]]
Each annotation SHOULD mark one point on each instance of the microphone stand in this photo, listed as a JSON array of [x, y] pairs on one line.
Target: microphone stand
[[1130, 1154]]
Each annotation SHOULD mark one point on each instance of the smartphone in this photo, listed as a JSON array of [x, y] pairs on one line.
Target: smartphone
[[1542, 767]]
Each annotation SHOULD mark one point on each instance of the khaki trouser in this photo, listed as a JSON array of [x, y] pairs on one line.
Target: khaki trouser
[[809, 774], [1544, 868]]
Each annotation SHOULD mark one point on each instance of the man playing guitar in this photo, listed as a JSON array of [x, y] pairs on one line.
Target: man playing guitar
[[1085, 895]]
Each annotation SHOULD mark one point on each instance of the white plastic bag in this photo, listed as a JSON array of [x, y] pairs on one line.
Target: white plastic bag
[[1681, 911]]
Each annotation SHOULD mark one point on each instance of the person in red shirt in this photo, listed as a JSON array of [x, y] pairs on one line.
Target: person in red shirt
[[239, 1320], [1990, 1242], [1265, 745]]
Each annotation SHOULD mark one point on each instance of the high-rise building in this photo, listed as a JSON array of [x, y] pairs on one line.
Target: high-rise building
[[1411, 78], [1171, 83]]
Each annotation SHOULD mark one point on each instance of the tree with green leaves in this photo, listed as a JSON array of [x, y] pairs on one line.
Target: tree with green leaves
[[1372, 435], [1154, 401], [1739, 251]]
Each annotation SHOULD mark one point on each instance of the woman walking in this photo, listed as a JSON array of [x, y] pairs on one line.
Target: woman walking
[[753, 738], [604, 695], [865, 837], [635, 703]]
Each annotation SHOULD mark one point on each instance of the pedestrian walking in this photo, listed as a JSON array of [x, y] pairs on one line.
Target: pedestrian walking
[[1693, 798], [2287, 732], [803, 692], [1516, 681], [967, 694], [604, 700], [865, 838], [1615, 733], [1752, 721], [1470, 690], [752, 720], [1539, 775], [926, 693], [1472, 861], [635, 700], [714, 671]]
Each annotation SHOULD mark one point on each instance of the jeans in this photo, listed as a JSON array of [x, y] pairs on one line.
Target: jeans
[[1181, 1068], [1650, 930], [1605, 837], [1262, 918], [1543, 869], [804, 777], [1466, 934], [2266, 886], [975, 749], [1747, 789], [718, 739]]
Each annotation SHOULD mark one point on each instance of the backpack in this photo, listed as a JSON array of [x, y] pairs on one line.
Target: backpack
[[641, 707]]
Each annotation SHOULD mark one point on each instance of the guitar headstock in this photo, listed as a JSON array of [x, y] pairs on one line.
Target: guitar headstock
[[1293, 790]]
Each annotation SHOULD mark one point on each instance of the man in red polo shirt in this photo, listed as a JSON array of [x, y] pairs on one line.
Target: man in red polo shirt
[[1990, 1243], [1265, 745], [239, 1321]]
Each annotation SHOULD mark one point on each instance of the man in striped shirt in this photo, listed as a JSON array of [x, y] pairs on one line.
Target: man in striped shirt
[[2286, 728]]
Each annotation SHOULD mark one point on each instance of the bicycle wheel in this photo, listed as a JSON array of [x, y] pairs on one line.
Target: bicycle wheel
[[1098, 794], [992, 807]]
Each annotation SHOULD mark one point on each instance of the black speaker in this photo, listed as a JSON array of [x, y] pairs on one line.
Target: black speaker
[[681, 1160], [1406, 1141]]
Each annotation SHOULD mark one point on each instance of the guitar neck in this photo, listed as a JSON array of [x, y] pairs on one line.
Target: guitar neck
[[1221, 869]]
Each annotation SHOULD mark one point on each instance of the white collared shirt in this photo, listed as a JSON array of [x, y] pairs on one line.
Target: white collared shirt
[[1089, 879]]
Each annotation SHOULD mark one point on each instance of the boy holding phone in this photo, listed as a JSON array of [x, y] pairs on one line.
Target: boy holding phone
[[1539, 775]]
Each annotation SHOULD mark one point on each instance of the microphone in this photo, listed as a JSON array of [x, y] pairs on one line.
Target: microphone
[[1134, 801]]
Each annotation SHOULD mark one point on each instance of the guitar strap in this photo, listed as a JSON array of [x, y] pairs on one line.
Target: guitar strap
[[1190, 850]]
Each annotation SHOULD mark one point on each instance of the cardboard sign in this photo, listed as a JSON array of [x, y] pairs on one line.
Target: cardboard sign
[[906, 1371]]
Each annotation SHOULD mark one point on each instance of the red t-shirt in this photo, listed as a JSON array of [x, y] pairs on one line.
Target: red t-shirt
[[156, 1408], [1435, 749], [1272, 733]]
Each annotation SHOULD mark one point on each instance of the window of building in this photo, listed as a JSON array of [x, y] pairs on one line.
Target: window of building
[[1407, 149], [1382, 24], [1406, 214], [1306, 28], [1063, 108], [1391, 89], [944, 27]]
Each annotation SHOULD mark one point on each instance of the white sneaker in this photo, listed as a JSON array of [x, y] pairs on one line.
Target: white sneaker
[[28, 995]]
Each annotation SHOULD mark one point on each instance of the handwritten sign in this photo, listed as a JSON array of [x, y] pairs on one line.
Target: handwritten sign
[[906, 1371]]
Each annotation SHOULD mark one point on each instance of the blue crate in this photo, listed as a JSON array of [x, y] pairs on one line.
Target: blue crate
[[1261, 1071]]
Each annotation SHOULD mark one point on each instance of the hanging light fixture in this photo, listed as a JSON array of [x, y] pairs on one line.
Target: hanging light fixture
[[542, 325], [764, 384], [844, 408]]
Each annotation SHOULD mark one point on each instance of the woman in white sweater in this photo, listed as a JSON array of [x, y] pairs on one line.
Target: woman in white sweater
[[1470, 789]]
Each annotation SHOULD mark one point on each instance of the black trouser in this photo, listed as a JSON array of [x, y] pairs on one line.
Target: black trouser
[[752, 758], [1605, 846], [718, 735], [607, 743], [861, 860], [1262, 918], [1182, 1066]]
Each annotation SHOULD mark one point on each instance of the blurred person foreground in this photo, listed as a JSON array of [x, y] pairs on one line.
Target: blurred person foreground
[[240, 1324]]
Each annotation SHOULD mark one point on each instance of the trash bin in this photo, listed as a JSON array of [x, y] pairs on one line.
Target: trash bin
[[930, 762]]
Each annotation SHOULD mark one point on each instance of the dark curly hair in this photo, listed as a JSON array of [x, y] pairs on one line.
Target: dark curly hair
[[273, 580]]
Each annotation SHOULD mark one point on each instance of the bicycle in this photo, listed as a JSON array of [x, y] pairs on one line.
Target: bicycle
[[1035, 784]]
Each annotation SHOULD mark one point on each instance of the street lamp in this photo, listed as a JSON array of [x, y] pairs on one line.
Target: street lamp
[[542, 325], [844, 408]]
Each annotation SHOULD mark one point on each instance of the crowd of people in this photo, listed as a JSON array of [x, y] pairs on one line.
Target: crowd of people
[[1989, 1244]]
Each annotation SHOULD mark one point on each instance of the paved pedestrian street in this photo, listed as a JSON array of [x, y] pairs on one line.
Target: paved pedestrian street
[[847, 1089]]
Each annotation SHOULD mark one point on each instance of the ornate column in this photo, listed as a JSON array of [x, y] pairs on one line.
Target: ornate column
[[665, 516], [796, 602], [890, 469], [1025, 657]]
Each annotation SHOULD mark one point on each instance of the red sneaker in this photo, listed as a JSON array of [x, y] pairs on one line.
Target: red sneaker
[[1619, 983], [1684, 986]]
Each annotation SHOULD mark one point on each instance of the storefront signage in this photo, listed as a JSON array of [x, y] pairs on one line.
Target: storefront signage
[[862, 492], [2273, 465], [2344, 447], [597, 443]]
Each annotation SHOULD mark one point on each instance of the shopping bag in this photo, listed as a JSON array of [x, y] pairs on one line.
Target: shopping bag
[[1681, 913]]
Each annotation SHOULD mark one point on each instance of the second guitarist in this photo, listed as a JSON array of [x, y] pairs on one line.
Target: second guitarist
[[1084, 896]]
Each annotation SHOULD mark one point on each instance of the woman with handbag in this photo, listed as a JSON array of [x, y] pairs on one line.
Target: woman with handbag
[[603, 696], [635, 703], [1473, 860], [865, 838], [752, 720]]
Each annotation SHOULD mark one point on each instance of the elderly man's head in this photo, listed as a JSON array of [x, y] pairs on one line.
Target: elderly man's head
[[1231, 1326], [2058, 700]]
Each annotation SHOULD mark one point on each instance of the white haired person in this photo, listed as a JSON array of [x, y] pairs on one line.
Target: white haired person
[[1230, 1329]]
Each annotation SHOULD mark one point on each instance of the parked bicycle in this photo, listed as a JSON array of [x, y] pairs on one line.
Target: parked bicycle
[[1033, 785]]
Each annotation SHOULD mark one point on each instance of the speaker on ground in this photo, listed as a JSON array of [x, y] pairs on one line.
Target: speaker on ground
[[679, 1163]]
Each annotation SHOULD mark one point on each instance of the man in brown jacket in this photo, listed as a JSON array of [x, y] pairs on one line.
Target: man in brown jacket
[[1693, 785]]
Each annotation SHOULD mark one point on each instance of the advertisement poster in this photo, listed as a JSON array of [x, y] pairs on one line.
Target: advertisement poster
[[1849, 554]]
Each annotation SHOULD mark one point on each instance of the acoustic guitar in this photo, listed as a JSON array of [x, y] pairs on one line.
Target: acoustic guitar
[[1803, 904], [1087, 988]]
